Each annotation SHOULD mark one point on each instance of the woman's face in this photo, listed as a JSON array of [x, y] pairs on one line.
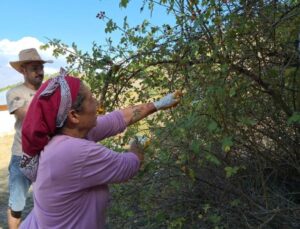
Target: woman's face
[[88, 115]]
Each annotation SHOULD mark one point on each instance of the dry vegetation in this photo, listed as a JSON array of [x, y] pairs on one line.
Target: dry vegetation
[[5, 144]]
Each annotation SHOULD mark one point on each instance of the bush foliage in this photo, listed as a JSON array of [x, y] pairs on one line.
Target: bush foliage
[[228, 156]]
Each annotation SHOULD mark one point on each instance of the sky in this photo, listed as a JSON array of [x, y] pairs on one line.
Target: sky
[[30, 23]]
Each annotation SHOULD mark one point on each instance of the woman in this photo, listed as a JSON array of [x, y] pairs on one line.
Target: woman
[[71, 186]]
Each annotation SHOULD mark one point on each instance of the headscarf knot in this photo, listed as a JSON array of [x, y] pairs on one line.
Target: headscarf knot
[[65, 99]]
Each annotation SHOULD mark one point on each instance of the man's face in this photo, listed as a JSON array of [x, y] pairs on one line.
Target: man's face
[[33, 73]]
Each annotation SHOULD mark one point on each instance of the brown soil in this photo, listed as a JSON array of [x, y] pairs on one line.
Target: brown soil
[[5, 154]]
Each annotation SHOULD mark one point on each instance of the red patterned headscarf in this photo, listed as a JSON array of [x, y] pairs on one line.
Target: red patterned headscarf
[[48, 111]]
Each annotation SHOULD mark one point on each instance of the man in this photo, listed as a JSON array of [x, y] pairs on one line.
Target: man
[[18, 99]]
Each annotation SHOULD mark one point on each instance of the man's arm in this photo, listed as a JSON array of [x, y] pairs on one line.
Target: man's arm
[[17, 105], [20, 113]]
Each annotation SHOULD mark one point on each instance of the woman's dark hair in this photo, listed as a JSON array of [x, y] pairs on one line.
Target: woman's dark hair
[[77, 104]]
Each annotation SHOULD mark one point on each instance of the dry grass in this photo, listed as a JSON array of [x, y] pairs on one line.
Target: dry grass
[[5, 144], [5, 154]]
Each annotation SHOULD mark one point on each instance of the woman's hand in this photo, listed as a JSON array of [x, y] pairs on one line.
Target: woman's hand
[[168, 101], [137, 148]]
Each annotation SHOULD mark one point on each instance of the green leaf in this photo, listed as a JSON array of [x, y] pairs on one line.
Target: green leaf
[[230, 171], [192, 174], [123, 3], [212, 126], [125, 24], [215, 219], [295, 118], [154, 29], [206, 207], [247, 121], [224, 68], [235, 202], [218, 20], [130, 213], [212, 158], [227, 143], [232, 92], [110, 26], [195, 147]]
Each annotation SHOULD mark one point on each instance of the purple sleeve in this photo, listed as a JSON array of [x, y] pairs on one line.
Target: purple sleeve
[[104, 166], [107, 126]]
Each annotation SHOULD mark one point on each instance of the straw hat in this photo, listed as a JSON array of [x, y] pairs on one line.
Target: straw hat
[[26, 56]]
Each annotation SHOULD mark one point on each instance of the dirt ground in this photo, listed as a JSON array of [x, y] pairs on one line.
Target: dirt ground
[[5, 154]]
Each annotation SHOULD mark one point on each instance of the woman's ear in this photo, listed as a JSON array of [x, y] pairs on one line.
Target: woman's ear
[[73, 117]]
